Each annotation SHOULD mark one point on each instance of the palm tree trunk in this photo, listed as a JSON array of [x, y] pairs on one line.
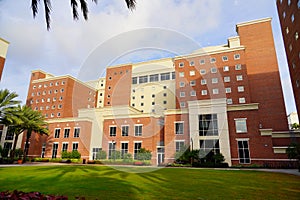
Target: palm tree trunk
[[28, 135]]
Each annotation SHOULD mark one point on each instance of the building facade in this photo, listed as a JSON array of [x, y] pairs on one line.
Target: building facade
[[3, 51], [222, 99], [289, 17]]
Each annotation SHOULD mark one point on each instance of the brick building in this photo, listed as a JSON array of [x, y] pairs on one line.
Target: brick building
[[225, 98], [289, 16], [3, 51]]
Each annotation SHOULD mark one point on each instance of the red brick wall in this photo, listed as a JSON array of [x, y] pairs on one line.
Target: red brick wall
[[118, 86], [2, 61]]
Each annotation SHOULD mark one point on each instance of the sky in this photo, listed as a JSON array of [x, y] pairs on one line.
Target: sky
[[172, 27]]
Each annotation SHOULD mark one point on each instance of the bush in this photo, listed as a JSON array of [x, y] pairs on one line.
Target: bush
[[40, 160], [115, 155], [144, 154], [70, 155], [100, 155], [75, 155], [127, 157]]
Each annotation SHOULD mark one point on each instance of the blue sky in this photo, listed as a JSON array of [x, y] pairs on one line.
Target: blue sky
[[66, 47]]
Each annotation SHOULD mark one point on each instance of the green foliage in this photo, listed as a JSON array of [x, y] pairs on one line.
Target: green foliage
[[144, 154], [70, 155], [295, 126], [293, 151], [75, 155], [127, 157], [19, 153], [100, 155], [115, 155]]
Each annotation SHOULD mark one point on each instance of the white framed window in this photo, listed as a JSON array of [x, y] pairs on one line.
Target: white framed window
[[215, 91], [287, 30], [289, 2], [229, 101], [192, 83], [292, 18], [192, 73], [41, 108], [213, 60], [138, 130], [178, 127], [125, 130], [181, 74], [213, 70], [66, 132], [193, 93], [225, 58], [226, 68], [75, 146], [236, 56], [242, 100], [202, 71], [182, 94], [290, 47], [76, 132], [181, 84], [243, 149], [228, 90], [241, 125], [137, 147], [284, 15], [203, 92], [203, 82], [214, 80], [202, 61], [192, 63], [241, 89], [47, 107], [238, 67], [179, 145], [65, 146], [56, 132], [296, 36], [239, 77], [124, 148], [182, 104], [181, 64], [112, 131]]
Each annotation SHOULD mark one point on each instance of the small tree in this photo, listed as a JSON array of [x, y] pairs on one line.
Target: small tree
[[100, 155], [293, 152], [75, 155]]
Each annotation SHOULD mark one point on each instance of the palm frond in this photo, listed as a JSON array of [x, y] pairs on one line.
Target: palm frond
[[84, 9], [130, 4], [47, 5], [34, 7], [74, 6]]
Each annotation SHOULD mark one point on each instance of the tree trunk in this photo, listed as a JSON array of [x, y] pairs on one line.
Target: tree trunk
[[28, 135]]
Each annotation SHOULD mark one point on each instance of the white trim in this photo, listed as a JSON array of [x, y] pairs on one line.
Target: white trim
[[242, 139]]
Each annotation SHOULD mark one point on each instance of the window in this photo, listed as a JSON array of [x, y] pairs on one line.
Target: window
[[112, 131], [111, 150], [192, 83], [58, 114], [213, 60], [60, 98], [173, 75], [56, 132], [283, 15], [215, 91], [181, 84], [165, 76], [227, 79], [229, 101], [142, 97], [239, 77], [54, 150], [75, 146], [213, 70], [181, 65], [124, 148], [224, 58], [125, 130], [202, 71], [289, 2], [203, 81], [214, 80], [287, 30], [178, 128], [181, 74], [238, 67], [76, 132], [142, 104], [182, 94], [192, 73], [242, 100], [203, 92], [192, 63], [134, 80], [236, 56], [143, 79], [228, 90], [95, 151], [211, 146], [165, 94], [62, 90], [193, 93], [66, 133], [296, 36], [297, 83], [137, 147], [202, 62], [298, 4], [138, 130], [290, 47], [153, 95], [43, 150], [244, 154], [241, 89], [154, 78], [179, 146], [292, 18], [165, 87], [226, 68], [241, 125], [64, 147], [182, 104], [9, 135], [208, 125]]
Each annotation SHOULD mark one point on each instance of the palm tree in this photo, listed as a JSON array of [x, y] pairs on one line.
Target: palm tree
[[7, 101], [74, 4]]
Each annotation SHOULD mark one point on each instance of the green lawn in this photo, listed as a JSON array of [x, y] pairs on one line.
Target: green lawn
[[102, 182]]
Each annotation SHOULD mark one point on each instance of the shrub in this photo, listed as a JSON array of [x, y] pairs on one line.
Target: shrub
[[115, 155], [75, 155], [100, 155], [66, 155], [144, 154], [127, 157], [18, 153]]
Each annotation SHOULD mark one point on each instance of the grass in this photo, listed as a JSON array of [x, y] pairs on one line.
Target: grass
[[102, 182]]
